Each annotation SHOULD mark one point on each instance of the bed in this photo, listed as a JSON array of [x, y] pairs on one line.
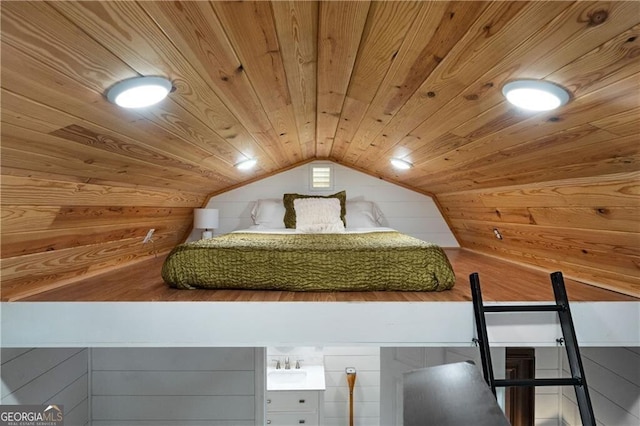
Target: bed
[[308, 252], [358, 260]]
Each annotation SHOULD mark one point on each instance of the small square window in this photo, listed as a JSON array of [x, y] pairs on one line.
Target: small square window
[[322, 177]]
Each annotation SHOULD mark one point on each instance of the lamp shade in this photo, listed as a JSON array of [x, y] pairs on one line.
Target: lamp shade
[[205, 218]]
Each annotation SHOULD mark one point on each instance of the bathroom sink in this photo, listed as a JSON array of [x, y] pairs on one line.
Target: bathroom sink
[[309, 377], [287, 376]]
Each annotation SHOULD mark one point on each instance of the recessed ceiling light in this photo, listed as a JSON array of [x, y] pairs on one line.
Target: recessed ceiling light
[[247, 164], [401, 164], [535, 95], [139, 92]]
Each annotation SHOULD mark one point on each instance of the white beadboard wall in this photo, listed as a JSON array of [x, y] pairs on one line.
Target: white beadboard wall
[[548, 398], [176, 386], [366, 393], [407, 211], [47, 376], [613, 377]]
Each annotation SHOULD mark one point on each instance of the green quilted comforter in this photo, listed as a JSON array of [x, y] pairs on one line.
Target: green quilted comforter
[[310, 262]]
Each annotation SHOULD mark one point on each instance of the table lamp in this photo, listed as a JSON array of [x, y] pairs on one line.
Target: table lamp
[[206, 219]]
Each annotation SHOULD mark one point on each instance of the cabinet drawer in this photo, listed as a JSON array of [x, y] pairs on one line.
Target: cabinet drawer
[[299, 401], [292, 419]]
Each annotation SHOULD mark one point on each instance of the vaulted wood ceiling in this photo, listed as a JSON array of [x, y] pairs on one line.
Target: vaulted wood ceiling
[[286, 82]]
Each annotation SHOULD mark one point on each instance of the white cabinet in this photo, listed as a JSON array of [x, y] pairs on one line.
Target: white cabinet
[[294, 408]]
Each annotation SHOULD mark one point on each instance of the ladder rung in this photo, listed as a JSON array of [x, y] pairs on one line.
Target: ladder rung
[[561, 306], [523, 308], [574, 381]]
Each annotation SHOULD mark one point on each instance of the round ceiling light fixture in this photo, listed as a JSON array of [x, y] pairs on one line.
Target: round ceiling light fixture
[[401, 164], [139, 92], [247, 164], [535, 95]]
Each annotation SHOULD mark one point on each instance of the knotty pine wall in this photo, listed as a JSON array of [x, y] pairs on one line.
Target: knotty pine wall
[[57, 228], [588, 227]]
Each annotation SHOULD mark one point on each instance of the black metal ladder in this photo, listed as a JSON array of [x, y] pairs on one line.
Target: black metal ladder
[[561, 306]]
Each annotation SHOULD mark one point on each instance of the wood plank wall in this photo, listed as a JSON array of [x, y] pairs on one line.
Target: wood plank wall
[[77, 198], [585, 227], [564, 193], [56, 229]]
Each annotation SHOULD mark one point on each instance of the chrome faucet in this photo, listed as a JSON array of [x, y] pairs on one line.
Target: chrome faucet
[[298, 363], [287, 365], [277, 363]]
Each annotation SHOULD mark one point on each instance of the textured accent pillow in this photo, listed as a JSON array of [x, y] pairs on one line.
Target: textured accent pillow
[[363, 214], [318, 215], [290, 212], [268, 213]]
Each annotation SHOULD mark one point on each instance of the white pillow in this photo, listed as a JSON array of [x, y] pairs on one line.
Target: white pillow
[[318, 215], [363, 214], [268, 213]]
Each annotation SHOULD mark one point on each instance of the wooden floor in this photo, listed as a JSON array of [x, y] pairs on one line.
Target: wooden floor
[[500, 280]]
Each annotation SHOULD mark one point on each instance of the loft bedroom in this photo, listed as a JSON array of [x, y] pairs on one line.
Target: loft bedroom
[[287, 84], [292, 84], [406, 317]]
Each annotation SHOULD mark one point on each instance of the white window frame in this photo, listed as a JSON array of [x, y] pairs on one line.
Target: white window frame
[[315, 182]]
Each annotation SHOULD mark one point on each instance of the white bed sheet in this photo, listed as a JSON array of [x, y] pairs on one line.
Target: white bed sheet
[[257, 229]]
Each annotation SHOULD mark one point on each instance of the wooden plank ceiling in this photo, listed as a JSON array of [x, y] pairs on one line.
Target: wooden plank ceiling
[[287, 82]]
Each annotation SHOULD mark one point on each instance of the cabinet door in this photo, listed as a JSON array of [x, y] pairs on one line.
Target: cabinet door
[[292, 419], [299, 401]]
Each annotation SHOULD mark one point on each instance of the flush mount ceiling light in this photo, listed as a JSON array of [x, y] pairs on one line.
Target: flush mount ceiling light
[[139, 92], [401, 164], [247, 164], [535, 95]]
